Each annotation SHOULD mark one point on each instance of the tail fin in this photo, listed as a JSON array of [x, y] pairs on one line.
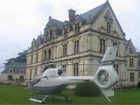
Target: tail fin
[[106, 77], [110, 54]]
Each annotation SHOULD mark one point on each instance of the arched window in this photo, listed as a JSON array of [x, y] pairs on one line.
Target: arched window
[[10, 77], [21, 78]]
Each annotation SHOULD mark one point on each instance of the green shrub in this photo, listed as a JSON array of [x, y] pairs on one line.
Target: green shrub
[[138, 84], [87, 89]]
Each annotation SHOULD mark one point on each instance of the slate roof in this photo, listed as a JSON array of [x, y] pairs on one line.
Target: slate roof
[[127, 43], [16, 67], [93, 13], [58, 23], [89, 16]]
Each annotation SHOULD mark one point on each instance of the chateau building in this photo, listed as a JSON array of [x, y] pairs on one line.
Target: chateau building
[[14, 73], [78, 45]]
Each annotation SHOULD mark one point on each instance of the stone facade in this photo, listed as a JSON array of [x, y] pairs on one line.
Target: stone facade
[[78, 45], [14, 73]]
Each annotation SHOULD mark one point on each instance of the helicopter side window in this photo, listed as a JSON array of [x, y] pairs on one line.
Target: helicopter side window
[[46, 77]]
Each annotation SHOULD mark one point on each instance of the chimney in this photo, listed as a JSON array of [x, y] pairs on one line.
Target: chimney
[[50, 18], [71, 15]]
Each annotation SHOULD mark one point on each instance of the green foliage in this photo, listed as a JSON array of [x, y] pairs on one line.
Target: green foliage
[[138, 84], [20, 58], [87, 89]]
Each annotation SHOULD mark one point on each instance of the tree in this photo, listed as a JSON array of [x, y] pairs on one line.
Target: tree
[[20, 58]]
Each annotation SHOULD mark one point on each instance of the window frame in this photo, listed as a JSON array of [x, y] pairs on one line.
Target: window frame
[[75, 69], [102, 45]]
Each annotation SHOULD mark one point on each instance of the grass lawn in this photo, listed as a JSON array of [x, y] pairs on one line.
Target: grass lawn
[[20, 95]]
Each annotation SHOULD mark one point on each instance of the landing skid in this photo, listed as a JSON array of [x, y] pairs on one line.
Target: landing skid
[[43, 100], [63, 97], [38, 101]]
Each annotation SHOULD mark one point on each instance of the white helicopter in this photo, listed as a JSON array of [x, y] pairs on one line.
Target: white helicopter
[[51, 82]]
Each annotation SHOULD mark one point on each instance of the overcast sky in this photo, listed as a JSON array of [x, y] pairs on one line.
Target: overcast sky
[[23, 20]]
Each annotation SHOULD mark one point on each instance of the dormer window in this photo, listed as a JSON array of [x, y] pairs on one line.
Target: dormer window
[[131, 62], [70, 28], [10, 71], [131, 50], [108, 27], [51, 34], [21, 72], [65, 32], [109, 20], [46, 35], [77, 28]]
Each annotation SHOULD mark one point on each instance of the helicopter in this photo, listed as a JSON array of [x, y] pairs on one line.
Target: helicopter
[[51, 82]]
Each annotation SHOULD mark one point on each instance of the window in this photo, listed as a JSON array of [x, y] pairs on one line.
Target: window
[[51, 34], [102, 46], [75, 68], [10, 71], [116, 44], [44, 55], [116, 67], [46, 33], [21, 78], [77, 28], [31, 59], [65, 32], [131, 50], [76, 47], [22, 72], [36, 58], [131, 62], [49, 54], [64, 67], [35, 73], [71, 28], [10, 77], [132, 77], [30, 76], [108, 27], [65, 50]]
